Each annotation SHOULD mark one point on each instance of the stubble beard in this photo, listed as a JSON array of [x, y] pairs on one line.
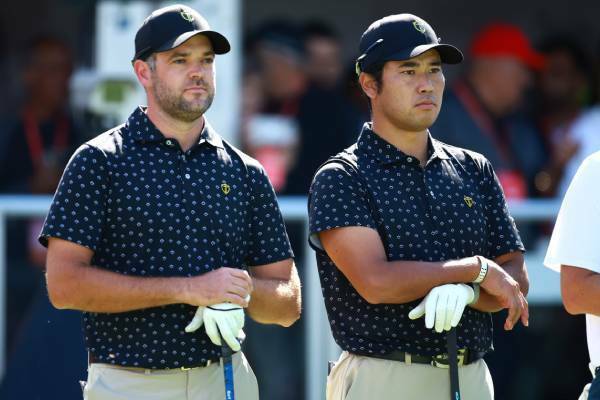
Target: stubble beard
[[179, 108]]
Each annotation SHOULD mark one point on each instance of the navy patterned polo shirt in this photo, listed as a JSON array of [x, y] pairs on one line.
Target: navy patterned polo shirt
[[146, 208], [452, 208]]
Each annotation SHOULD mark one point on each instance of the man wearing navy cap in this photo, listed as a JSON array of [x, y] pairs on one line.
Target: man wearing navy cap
[[154, 226], [405, 226]]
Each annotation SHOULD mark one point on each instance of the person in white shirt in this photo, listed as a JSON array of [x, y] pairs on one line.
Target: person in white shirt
[[584, 133], [574, 251]]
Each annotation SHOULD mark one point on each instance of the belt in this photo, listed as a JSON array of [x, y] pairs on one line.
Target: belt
[[93, 360], [464, 357]]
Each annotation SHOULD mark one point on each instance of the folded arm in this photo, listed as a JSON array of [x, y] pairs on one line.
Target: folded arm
[[514, 264], [74, 283], [276, 298], [359, 254]]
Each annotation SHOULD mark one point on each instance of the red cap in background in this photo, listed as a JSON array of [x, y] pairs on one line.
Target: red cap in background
[[505, 40]]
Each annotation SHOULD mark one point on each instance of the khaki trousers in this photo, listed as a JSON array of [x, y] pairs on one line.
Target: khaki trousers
[[364, 378], [108, 382]]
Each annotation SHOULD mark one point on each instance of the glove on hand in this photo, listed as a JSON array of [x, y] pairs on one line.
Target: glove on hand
[[444, 305], [197, 321], [224, 320]]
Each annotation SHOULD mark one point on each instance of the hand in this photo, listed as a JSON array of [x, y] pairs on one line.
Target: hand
[[445, 305], [224, 320], [223, 285], [501, 285]]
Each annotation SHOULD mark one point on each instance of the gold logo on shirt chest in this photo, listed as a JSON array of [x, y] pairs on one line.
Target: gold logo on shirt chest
[[225, 188], [469, 201]]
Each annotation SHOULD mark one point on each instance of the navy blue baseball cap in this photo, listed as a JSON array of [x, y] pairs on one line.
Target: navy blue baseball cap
[[400, 37], [168, 27]]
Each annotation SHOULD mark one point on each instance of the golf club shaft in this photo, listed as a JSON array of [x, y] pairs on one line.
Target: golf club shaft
[[453, 364]]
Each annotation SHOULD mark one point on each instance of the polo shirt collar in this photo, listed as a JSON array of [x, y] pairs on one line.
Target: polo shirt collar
[[144, 131], [438, 149], [210, 136], [141, 128], [387, 153]]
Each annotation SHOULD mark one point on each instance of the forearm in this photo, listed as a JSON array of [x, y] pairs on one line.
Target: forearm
[[517, 270], [587, 301], [487, 303], [93, 289], [580, 295], [276, 301], [399, 282], [74, 283]]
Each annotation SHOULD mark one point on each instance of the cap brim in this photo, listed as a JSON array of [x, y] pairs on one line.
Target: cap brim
[[219, 42], [448, 53]]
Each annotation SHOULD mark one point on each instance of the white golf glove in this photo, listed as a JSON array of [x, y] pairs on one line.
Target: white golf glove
[[224, 320], [444, 305]]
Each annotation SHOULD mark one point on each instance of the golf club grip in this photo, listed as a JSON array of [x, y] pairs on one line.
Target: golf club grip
[[452, 349], [228, 372]]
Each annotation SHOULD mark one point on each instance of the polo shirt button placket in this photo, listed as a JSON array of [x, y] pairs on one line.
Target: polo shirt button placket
[[183, 160]]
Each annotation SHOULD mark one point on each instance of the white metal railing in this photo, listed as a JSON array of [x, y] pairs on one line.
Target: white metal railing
[[319, 344]]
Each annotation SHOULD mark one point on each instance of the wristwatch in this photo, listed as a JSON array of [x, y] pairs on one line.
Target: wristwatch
[[483, 269]]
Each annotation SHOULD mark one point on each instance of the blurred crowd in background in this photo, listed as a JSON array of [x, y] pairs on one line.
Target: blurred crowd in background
[[531, 108]]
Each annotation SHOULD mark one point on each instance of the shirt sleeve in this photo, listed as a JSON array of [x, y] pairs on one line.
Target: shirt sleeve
[[268, 241], [337, 199], [77, 212], [502, 233], [574, 240]]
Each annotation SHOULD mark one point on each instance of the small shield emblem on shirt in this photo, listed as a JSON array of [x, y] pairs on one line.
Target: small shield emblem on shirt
[[469, 201], [225, 188]]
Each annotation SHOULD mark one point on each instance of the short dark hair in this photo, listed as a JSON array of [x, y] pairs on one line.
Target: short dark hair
[[376, 71]]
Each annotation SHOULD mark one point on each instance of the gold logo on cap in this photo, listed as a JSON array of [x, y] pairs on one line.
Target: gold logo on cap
[[186, 15], [469, 201], [418, 26], [225, 188]]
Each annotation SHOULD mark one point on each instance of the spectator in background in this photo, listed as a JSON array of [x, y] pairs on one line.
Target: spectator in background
[[37, 144], [564, 91], [280, 59], [272, 133], [481, 111], [326, 118], [43, 135], [584, 133], [324, 65]]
